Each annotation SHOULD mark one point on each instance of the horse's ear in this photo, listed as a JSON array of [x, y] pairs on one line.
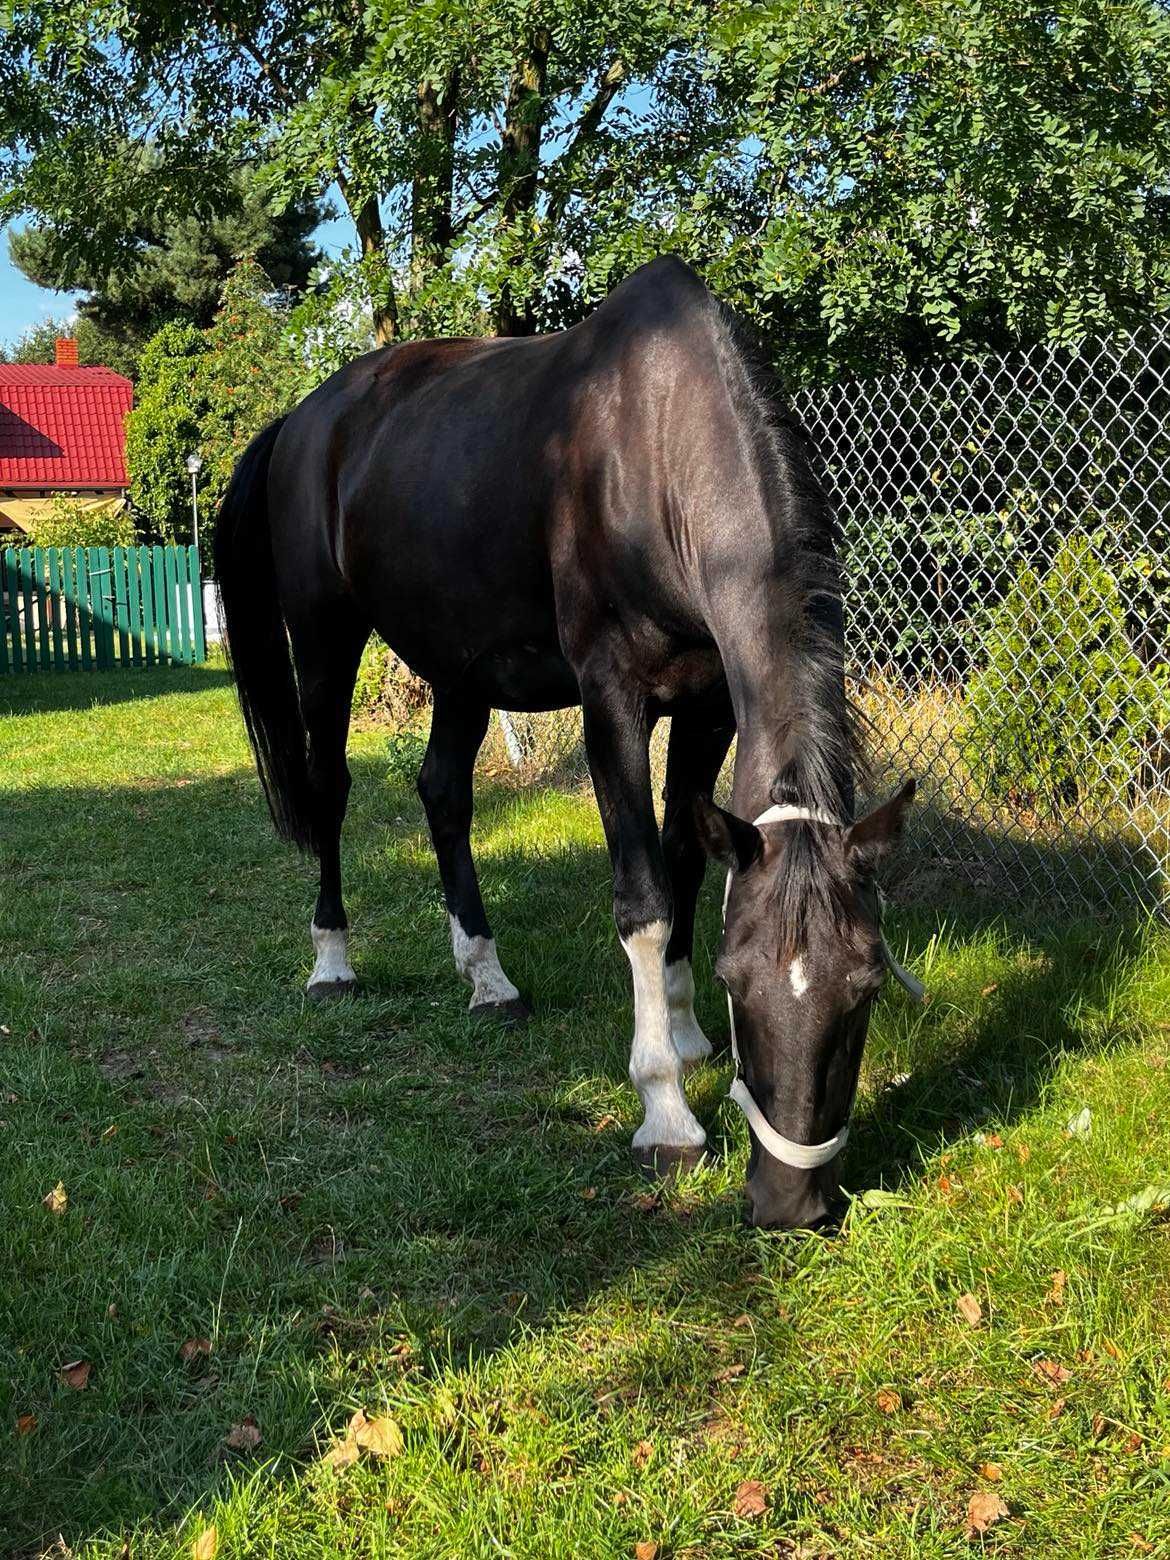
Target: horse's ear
[[725, 837], [868, 840]]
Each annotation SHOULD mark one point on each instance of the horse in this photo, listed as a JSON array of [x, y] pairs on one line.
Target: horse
[[620, 516]]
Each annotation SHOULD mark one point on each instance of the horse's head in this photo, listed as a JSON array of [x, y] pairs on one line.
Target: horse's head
[[802, 959]]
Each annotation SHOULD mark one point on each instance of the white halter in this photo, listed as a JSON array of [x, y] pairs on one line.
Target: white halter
[[801, 1156]]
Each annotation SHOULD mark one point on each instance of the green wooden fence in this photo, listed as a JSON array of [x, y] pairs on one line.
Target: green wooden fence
[[79, 608]]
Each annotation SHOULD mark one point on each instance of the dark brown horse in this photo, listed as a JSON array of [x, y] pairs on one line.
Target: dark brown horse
[[617, 516]]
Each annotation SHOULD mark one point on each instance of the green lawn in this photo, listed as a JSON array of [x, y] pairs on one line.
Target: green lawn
[[377, 1206]]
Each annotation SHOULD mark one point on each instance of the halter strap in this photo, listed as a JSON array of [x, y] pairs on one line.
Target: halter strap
[[801, 1156]]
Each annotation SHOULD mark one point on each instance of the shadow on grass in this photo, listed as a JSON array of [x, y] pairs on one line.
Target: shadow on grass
[[42, 692], [321, 1187]]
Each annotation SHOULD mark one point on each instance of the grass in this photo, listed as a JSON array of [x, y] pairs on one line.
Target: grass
[[377, 1206]]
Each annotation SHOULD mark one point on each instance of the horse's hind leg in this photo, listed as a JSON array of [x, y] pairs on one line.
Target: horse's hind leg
[[700, 736], [327, 659], [458, 725]]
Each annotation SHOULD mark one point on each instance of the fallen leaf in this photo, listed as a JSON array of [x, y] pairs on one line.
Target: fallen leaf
[[642, 1454], [1081, 1124], [1057, 1409], [589, 1193], [988, 989], [993, 1140], [206, 1545], [729, 1373], [26, 1424], [984, 1508], [380, 1436], [341, 1455], [1015, 1194], [606, 1121], [751, 1499], [969, 1309], [1055, 1295], [1052, 1371], [193, 1348], [645, 1549], [992, 1472], [57, 1200], [888, 1400], [244, 1437], [1023, 1153], [76, 1374], [1111, 1349], [1142, 1545]]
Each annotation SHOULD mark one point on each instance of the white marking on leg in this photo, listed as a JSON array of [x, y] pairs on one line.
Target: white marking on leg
[[477, 961], [797, 978], [655, 1066], [690, 1042], [332, 963]]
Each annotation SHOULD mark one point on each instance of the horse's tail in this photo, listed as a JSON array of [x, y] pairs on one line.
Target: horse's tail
[[257, 641]]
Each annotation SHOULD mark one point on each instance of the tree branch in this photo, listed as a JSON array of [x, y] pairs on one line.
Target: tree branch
[[587, 127]]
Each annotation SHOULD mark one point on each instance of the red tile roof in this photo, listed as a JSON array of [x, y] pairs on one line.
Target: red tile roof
[[62, 427]]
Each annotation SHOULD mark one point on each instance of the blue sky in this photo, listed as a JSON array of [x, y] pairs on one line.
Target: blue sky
[[22, 304]]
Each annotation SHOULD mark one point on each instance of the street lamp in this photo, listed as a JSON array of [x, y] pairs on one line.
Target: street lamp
[[194, 466]]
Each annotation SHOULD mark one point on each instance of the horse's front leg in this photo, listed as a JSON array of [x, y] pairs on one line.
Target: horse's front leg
[[617, 739]]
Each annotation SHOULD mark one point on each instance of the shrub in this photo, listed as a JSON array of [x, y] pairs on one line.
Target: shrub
[[386, 688], [165, 426], [71, 522], [1061, 710]]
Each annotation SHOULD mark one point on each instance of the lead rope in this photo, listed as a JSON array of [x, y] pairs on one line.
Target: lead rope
[[801, 1156]]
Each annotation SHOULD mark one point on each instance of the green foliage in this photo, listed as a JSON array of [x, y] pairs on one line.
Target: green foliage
[[386, 689], [178, 263], [247, 375], [71, 522], [165, 426], [1061, 709], [95, 347]]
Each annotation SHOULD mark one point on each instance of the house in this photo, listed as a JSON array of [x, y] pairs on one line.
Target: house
[[62, 431]]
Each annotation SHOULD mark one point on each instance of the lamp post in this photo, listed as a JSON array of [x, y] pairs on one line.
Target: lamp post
[[194, 466]]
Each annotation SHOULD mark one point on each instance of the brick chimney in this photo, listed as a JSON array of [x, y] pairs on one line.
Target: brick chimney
[[66, 352]]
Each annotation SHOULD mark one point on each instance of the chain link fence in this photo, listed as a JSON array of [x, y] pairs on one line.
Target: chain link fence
[[1006, 530]]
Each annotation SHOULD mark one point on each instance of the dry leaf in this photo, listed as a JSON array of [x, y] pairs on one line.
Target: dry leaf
[[341, 1455], [1023, 1153], [642, 1454], [992, 1472], [993, 1140], [888, 1400], [1052, 1371], [729, 1373], [1057, 1409], [984, 1508], [751, 1499], [57, 1200], [380, 1436], [76, 1374], [969, 1309], [646, 1549], [206, 1545], [26, 1424], [1142, 1545], [1015, 1194], [589, 1193], [193, 1348], [1055, 1295], [1111, 1349], [244, 1437]]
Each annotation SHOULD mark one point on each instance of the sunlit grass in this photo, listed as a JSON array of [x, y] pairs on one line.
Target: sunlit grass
[[376, 1205]]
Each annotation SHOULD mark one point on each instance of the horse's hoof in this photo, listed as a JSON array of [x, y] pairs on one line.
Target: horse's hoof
[[664, 1162], [513, 1014], [330, 990]]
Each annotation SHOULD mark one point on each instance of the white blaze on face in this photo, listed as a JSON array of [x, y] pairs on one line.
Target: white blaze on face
[[655, 1065], [332, 963], [477, 961], [689, 1040], [797, 978]]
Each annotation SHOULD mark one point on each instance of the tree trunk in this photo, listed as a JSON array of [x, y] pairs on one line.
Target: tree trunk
[[520, 163], [367, 219], [434, 181]]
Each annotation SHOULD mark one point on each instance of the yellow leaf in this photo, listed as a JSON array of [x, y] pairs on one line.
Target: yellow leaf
[[206, 1546], [381, 1436], [991, 1471], [57, 1200]]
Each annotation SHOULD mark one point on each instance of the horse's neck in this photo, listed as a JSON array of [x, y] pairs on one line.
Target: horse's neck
[[791, 721]]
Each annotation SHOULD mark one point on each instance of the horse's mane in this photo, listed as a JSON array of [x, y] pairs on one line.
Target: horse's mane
[[820, 752]]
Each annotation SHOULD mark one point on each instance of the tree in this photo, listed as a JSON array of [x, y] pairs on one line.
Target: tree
[[165, 426], [441, 122], [178, 264], [38, 344], [929, 175]]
